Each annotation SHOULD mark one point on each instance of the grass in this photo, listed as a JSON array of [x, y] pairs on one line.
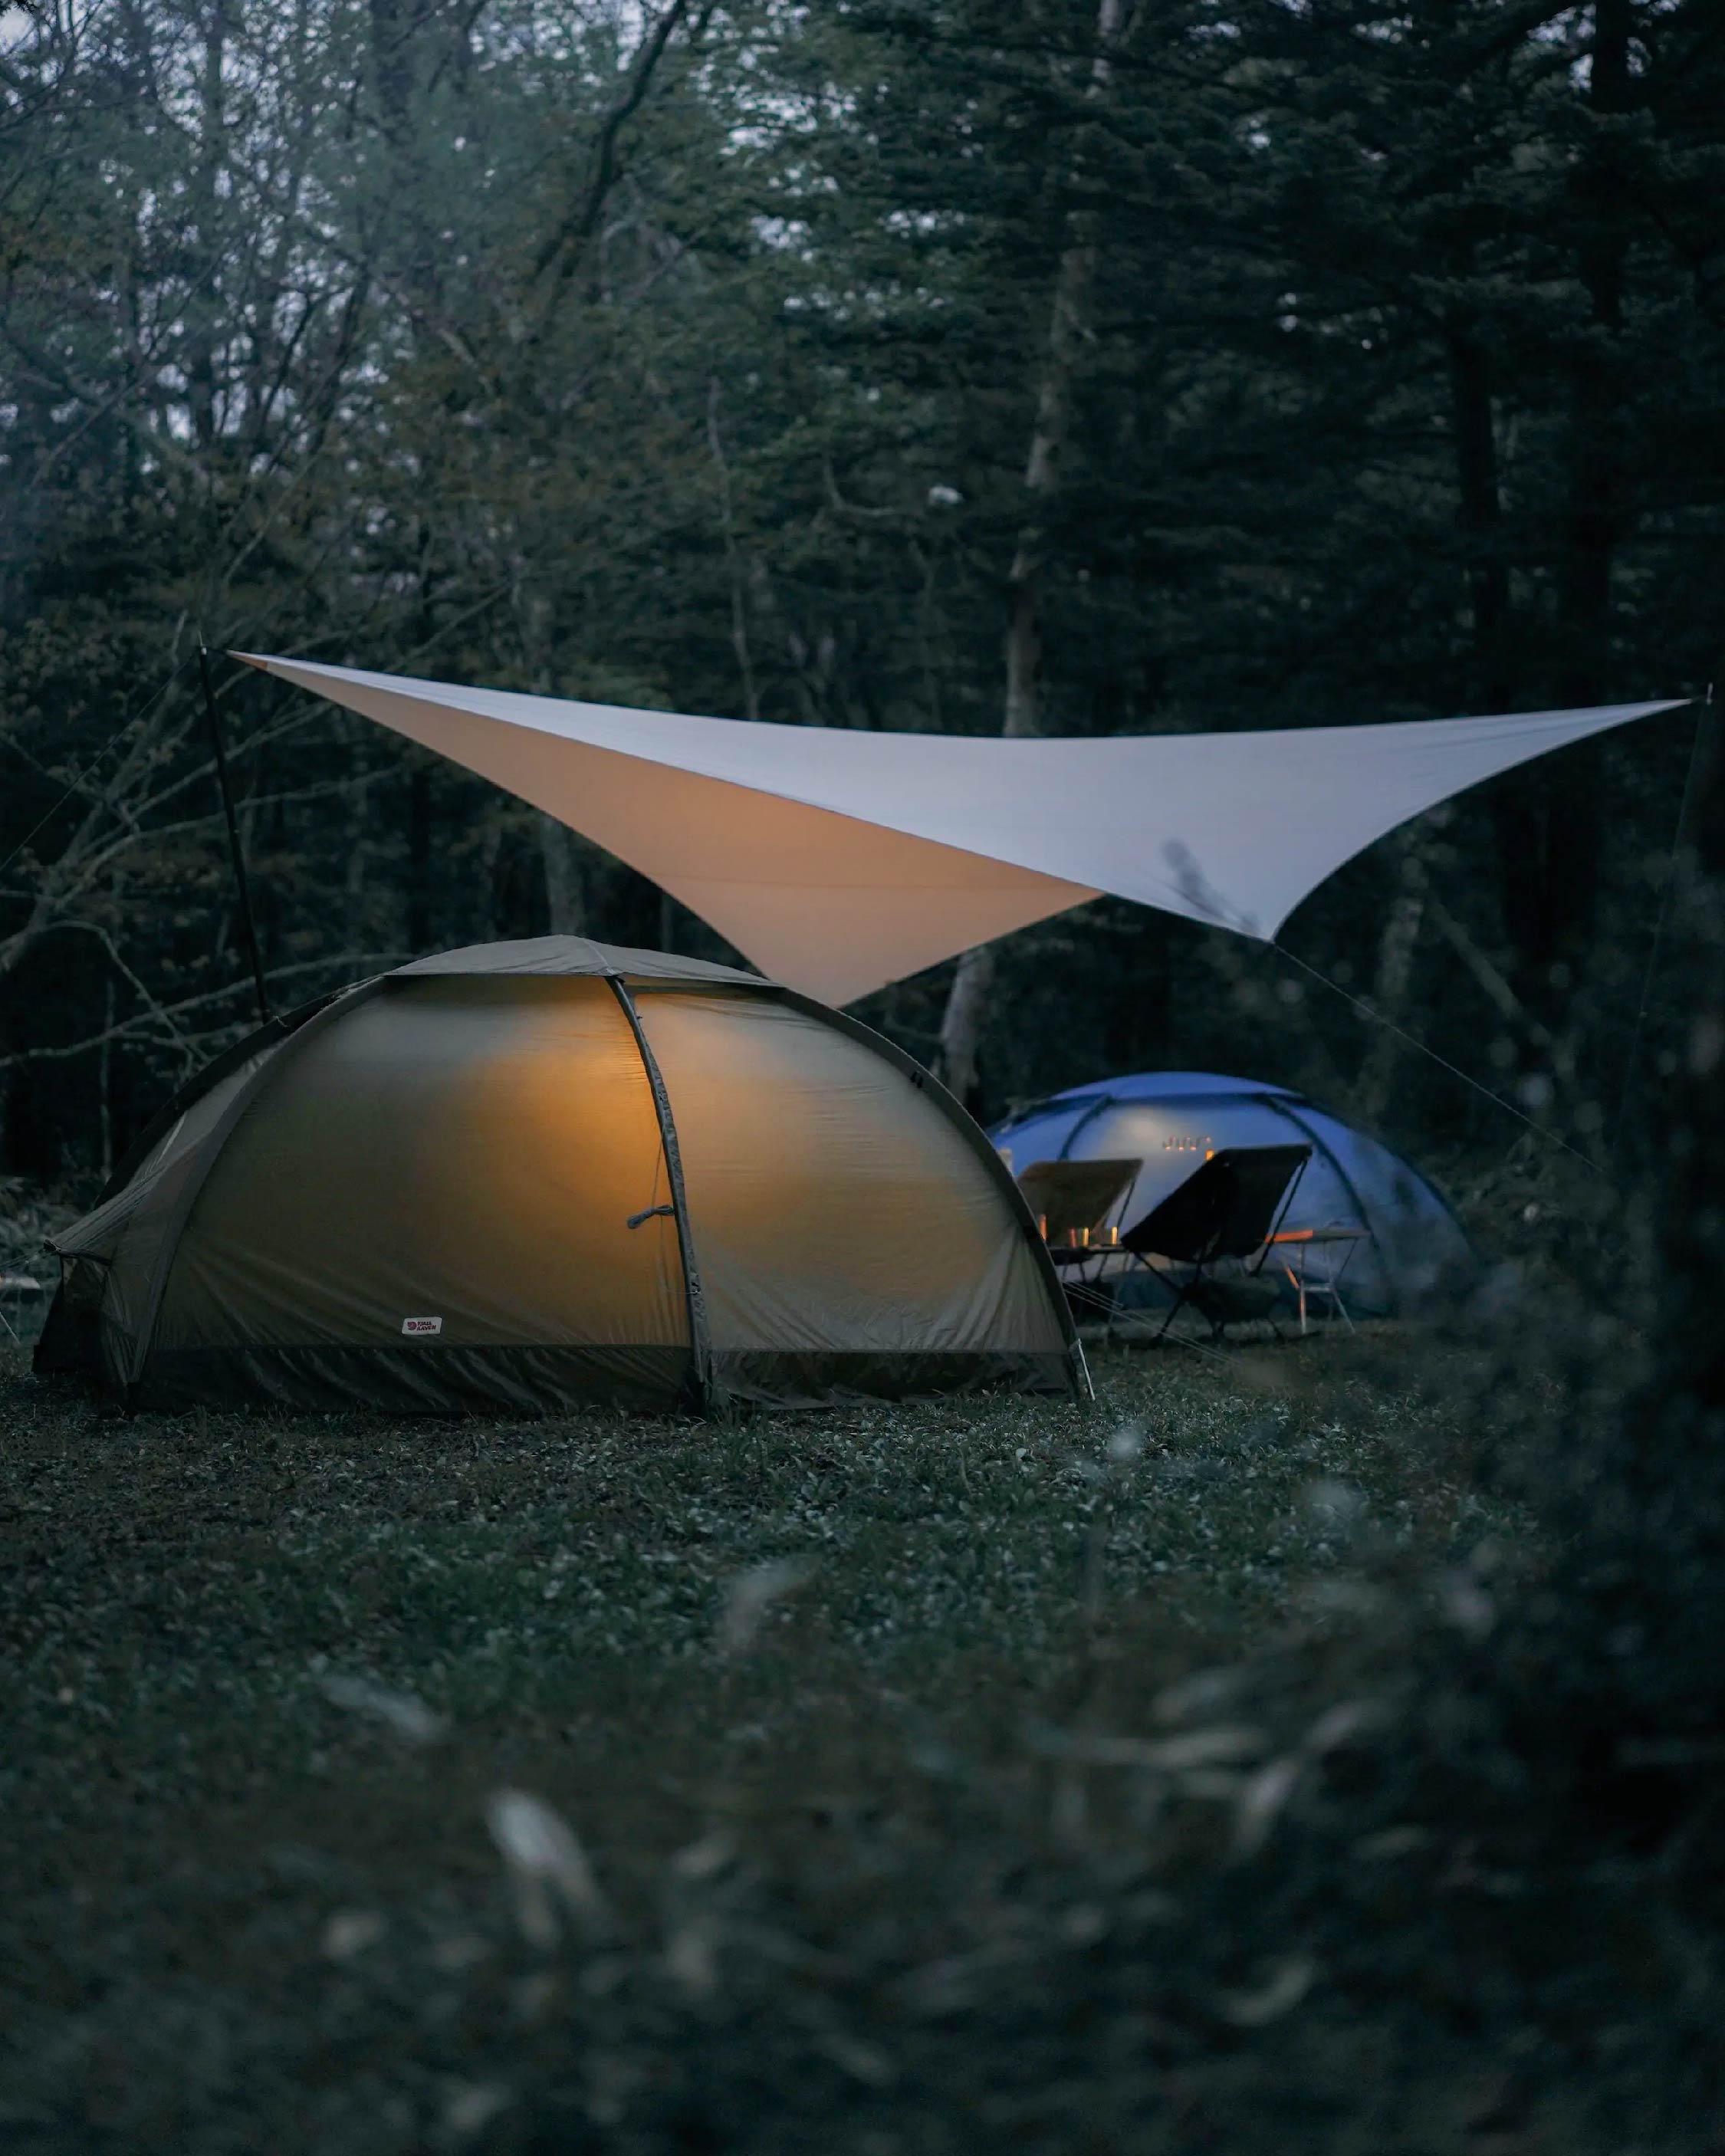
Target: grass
[[851, 1781]]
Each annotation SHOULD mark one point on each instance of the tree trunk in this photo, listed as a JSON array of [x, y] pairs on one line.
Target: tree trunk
[[1596, 516], [1394, 975], [1547, 819], [565, 886], [1481, 517], [967, 999], [962, 1024], [105, 1080], [1653, 1553], [204, 306], [733, 558], [1521, 806], [418, 909]]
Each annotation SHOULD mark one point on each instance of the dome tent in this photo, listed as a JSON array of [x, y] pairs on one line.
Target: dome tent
[[525, 1176], [1169, 1120]]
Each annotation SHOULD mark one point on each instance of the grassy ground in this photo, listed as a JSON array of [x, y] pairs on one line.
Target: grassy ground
[[856, 1781]]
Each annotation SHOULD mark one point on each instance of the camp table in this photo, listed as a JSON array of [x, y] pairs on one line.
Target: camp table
[[1230, 1208], [1302, 1240]]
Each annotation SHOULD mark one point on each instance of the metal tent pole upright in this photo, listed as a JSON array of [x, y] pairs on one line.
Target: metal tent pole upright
[[247, 923], [1701, 749]]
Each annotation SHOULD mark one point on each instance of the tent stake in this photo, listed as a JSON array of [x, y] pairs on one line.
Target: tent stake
[[247, 923]]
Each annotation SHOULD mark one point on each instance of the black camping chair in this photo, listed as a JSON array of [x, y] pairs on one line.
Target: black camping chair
[[1227, 1209]]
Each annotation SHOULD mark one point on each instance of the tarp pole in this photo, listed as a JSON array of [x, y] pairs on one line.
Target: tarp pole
[[247, 924], [1701, 749]]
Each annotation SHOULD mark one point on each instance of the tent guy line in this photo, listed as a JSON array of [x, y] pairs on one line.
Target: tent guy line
[[1371, 1011], [816, 851]]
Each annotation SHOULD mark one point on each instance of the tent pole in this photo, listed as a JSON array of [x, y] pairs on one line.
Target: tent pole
[[703, 1391], [247, 924]]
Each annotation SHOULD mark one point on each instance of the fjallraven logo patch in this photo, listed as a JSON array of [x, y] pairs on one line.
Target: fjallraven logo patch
[[419, 1327]]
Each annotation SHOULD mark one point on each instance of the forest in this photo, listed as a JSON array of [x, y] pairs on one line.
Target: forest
[[1311, 1746], [946, 366]]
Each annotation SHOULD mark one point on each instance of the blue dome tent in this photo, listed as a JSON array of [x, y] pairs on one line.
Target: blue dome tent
[[1171, 1120]]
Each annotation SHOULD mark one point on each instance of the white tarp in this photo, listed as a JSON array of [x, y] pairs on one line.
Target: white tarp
[[837, 861]]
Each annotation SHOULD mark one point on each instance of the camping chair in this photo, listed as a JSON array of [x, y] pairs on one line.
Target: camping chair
[[1229, 1209], [1072, 1200]]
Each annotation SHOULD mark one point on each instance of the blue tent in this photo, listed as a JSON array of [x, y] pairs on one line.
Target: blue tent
[[1172, 1120]]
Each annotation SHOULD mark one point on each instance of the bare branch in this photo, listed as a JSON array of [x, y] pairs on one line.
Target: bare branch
[[564, 247], [360, 965]]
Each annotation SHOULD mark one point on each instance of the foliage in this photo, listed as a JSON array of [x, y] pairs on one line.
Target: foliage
[[691, 357], [1142, 1776]]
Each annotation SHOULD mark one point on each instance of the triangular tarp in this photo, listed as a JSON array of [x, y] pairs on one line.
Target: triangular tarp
[[838, 861]]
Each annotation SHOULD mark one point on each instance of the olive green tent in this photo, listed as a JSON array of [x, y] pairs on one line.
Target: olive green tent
[[522, 1176]]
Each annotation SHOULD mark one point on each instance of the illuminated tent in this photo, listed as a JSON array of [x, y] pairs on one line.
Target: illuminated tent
[[840, 860], [523, 1176], [1411, 1251]]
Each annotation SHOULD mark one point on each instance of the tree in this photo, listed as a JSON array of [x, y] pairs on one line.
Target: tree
[[1233, 371]]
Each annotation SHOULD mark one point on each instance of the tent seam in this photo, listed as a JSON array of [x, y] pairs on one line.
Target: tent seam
[[1088, 1116]]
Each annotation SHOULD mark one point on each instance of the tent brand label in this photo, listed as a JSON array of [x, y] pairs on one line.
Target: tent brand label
[[417, 1328]]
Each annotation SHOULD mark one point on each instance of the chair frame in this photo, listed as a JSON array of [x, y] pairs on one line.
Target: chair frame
[[1183, 1291]]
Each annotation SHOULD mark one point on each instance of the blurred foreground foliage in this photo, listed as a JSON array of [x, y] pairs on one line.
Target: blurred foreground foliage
[[1314, 1747]]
